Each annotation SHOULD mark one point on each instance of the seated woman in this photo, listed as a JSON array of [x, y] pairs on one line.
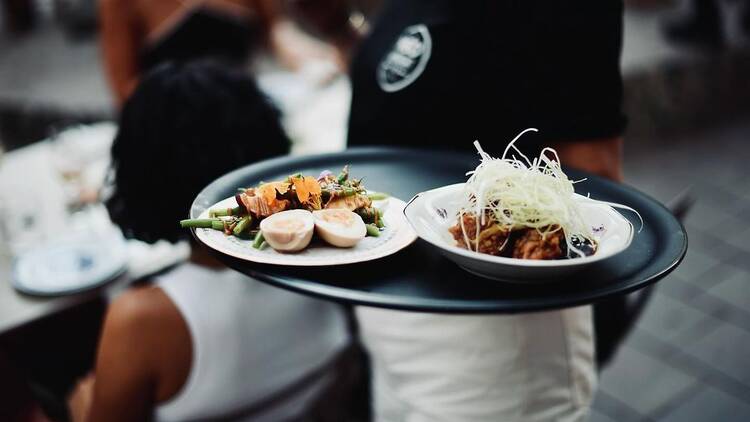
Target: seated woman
[[199, 341], [139, 34]]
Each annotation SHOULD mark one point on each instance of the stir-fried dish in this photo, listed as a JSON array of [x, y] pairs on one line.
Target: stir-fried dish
[[285, 214], [521, 208]]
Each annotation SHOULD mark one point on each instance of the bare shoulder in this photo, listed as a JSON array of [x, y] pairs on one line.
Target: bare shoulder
[[141, 309], [146, 322], [144, 315]]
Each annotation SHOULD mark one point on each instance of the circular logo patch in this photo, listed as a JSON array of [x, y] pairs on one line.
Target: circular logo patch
[[406, 60]]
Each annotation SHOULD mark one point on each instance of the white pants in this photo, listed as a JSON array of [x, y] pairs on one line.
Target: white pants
[[454, 368]]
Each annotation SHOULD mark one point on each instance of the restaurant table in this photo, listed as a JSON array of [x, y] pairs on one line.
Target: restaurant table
[[27, 173], [31, 172], [419, 278], [315, 117], [18, 310]]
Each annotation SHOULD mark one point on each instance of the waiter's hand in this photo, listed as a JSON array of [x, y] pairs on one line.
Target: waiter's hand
[[601, 157]]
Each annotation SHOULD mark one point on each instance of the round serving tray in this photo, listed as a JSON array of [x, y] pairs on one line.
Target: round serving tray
[[419, 278]]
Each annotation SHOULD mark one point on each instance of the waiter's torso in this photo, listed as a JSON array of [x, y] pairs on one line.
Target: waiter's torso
[[441, 73]]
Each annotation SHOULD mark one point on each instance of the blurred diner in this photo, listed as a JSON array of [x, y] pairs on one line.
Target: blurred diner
[[200, 341]]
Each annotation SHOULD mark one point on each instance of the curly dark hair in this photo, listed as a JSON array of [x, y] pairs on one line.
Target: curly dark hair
[[184, 126]]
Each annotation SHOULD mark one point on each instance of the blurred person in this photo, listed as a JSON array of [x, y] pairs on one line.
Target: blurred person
[[19, 16], [702, 23], [137, 35], [440, 74], [201, 342]]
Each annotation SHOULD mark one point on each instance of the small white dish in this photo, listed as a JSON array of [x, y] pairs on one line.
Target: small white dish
[[69, 265], [396, 236], [432, 213]]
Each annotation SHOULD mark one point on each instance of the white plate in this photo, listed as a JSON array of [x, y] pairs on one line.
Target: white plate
[[432, 213], [69, 265], [396, 236]]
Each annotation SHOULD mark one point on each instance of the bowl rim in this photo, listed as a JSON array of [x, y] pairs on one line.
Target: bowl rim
[[514, 261]]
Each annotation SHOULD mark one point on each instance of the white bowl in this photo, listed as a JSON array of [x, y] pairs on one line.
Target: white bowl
[[432, 213]]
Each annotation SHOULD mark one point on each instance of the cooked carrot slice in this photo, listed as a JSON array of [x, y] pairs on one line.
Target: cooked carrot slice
[[267, 191], [305, 187]]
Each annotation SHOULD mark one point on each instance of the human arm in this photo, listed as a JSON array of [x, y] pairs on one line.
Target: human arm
[[121, 39], [137, 365], [602, 157]]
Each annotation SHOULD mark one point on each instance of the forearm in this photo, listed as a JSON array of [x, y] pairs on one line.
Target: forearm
[[602, 157], [120, 46]]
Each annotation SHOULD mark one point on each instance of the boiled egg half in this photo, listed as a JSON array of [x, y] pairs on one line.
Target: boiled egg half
[[339, 227], [288, 231]]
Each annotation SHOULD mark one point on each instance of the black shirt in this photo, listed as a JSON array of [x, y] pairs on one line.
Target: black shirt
[[439, 73]]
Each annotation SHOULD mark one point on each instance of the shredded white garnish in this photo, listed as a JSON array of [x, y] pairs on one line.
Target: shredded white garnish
[[520, 193]]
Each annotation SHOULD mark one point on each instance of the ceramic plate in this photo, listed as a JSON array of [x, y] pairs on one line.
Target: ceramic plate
[[432, 213], [69, 265], [396, 236]]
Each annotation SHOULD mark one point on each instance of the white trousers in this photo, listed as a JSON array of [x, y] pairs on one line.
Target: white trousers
[[455, 368]]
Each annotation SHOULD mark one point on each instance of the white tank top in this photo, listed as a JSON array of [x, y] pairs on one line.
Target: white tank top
[[250, 341]]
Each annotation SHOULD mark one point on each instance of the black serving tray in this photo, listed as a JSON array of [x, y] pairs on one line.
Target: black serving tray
[[419, 278]]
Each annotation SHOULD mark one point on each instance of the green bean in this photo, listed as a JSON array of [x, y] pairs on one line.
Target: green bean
[[368, 214], [342, 192], [346, 191], [372, 230], [203, 223], [259, 240], [377, 196], [344, 174], [224, 212], [241, 225], [379, 220]]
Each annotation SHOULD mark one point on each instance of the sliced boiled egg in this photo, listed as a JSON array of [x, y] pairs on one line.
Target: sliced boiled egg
[[339, 227], [288, 231]]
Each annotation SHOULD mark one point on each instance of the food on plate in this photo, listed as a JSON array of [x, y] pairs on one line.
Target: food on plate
[[288, 231], [520, 208], [283, 213], [339, 226]]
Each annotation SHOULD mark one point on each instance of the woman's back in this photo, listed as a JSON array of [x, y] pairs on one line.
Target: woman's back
[[250, 343]]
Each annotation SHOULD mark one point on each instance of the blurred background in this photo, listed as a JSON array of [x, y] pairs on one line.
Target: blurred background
[[686, 69]]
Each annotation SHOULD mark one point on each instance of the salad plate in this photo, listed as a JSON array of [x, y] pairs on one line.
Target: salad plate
[[396, 235], [434, 212]]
